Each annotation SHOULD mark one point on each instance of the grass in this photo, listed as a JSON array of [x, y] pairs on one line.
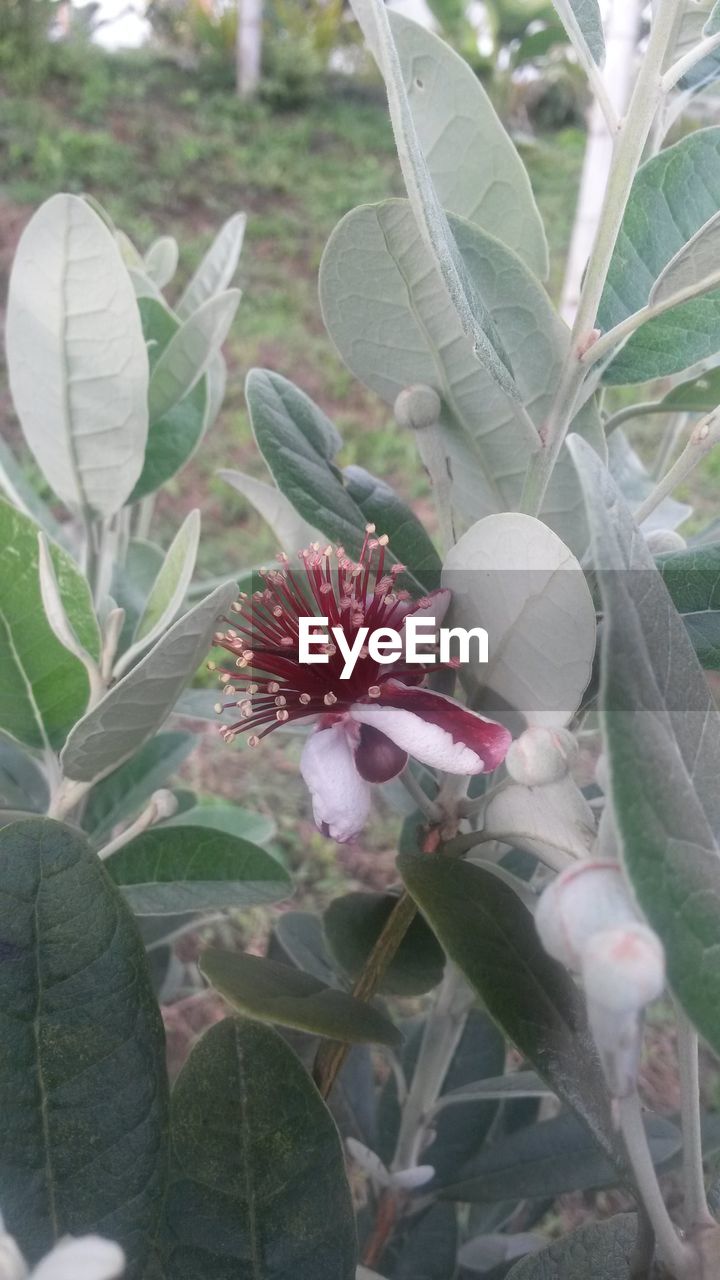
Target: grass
[[170, 152]]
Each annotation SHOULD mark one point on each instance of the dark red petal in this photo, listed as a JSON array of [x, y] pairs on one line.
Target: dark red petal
[[377, 759]]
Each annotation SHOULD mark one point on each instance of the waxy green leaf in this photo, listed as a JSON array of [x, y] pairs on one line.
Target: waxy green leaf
[[138, 705], [123, 793], [662, 737], [43, 688], [474, 166], [272, 992], [353, 924], [487, 931], [385, 309], [82, 1073], [259, 1186], [674, 195], [171, 870], [77, 362], [299, 444]]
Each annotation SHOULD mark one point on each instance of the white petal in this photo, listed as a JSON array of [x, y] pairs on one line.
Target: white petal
[[368, 1161], [341, 798], [410, 1178], [89, 1258]]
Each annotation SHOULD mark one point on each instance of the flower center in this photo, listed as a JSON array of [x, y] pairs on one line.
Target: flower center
[[267, 683]]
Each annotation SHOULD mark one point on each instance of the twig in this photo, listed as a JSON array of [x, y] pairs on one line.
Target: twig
[[703, 439], [697, 1212], [332, 1054], [677, 1255]]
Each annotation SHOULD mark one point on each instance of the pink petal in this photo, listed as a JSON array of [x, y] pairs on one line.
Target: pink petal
[[340, 797], [436, 730], [377, 758]]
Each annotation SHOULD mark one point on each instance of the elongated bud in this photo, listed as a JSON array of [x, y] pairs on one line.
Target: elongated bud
[[417, 407], [540, 756], [623, 969], [661, 541], [584, 900]]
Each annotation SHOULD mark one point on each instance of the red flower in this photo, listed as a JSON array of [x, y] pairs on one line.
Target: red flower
[[367, 724]]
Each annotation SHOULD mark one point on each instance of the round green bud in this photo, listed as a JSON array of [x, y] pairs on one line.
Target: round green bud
[[417, 407]]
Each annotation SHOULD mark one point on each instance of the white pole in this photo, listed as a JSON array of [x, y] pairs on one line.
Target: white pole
[[622, 27], [249, 47]]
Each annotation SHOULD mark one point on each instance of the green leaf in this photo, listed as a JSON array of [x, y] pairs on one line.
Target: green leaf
[[173, 438], [473, 164], [693, 579], [189, 353], [382, 507], [172, 870], [692, 23], [301, 937], [133, 581], [217, 268], [299, 444], [541, 634], [22, 783], [673, 196], [292, 532], [352, 926], [428, 214], [21, 494], [160, 261], [662, 737], [123, 793], [137, 706], [600, 1251], [386, 310], [77, 362], [586, 18], [488, 932], [272, 992], [168, 590], [43, 687], [82, 1073], [259, 1186], [693, 268], [258, 828], [697, 395], [635, 483], [549, 1159], [428, 1248]]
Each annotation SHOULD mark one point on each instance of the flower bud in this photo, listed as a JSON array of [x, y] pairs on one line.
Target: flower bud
[[165, 804], [586, 899], [661, 541], [623, 969], [417, 407], [12, 1263], [540, 756]]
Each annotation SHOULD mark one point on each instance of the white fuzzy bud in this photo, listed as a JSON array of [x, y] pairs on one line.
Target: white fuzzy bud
[[661, 541], [417, 407], [12, 1263], [583, 900], [623, 969], [540, 756], [165, 803]]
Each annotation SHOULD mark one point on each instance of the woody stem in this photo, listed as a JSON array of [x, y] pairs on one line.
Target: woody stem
[[332, 1054]]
